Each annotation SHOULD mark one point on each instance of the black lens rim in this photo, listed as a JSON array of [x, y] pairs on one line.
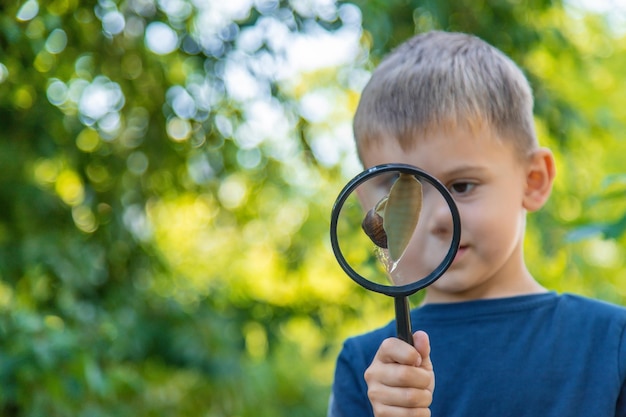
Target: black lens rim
[[398, 290]]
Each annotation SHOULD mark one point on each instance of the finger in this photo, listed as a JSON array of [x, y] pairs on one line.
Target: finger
[[394, 350], [422, 345], [393, 375], [382, 410], [388, 410], [406, 397]]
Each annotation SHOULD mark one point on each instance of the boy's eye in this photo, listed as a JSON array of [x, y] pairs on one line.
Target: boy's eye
[[462, 187], [385, 181]]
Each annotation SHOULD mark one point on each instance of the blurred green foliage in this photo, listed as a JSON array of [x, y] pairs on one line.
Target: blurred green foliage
[[166, 184]]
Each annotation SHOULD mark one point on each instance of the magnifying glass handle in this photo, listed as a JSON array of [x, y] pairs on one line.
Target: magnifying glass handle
[[403, 319]]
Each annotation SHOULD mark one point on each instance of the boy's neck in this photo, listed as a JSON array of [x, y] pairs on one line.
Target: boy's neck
[[526, 286]]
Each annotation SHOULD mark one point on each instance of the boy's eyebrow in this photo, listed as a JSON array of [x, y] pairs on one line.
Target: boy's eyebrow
[[465, 170]]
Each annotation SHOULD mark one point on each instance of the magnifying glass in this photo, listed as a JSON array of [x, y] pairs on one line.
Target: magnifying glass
[[395, 229]]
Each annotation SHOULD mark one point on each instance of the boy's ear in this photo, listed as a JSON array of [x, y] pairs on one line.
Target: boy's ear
[[539, 179]]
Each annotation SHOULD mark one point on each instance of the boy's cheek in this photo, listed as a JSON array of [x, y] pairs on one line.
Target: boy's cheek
[[368, 198]]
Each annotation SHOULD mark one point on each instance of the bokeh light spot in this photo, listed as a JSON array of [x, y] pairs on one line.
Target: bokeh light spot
[[44, 61], [233, 192], [98, 173], [24, 98], [6, 296], [100, 98], [36, 29], [4, 73], [249, 158], [46, 171], [88, 140], [70, 188], [84, 219], [178, 129], [113, 22], [137, 163], [28, 11], [256, 340], [56, 42], [56, 92], [182, 102], [160, 38]]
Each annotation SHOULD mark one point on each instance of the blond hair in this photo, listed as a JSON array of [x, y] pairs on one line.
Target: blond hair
[[440, 80]]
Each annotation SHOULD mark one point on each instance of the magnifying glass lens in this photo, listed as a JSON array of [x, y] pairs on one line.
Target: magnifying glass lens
[[395, 229]]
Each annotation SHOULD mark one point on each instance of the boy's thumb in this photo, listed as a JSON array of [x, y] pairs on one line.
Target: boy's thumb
[[422, 345]]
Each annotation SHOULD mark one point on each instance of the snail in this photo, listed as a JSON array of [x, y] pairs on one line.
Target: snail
[[390, 224], [373, 225]]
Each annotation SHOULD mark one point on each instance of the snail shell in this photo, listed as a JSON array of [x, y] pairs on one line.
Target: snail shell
[[373, 227]]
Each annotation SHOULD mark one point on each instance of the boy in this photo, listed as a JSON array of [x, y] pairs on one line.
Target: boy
[[496, 342]]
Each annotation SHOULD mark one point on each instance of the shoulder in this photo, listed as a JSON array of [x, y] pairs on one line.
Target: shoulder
[[598, 325], [584, 306], [599, 319]]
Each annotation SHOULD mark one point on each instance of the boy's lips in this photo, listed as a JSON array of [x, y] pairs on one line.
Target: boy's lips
[[460, 252]]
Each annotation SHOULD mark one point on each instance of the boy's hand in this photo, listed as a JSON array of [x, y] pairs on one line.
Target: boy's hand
[[400, 379]]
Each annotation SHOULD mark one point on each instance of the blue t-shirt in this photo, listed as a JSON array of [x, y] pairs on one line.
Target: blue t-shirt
[[543, 355]]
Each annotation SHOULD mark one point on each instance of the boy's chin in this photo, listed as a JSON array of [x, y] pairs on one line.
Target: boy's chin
[[452, 288]]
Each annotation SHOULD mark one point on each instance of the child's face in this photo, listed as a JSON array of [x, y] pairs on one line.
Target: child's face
[[488, 183]]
